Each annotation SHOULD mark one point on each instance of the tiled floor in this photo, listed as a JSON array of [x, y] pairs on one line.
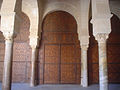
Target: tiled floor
[[20, 86]]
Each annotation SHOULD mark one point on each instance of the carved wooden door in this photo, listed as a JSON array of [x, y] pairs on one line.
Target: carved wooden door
[[61, 48], [61, 66], [51, 66]]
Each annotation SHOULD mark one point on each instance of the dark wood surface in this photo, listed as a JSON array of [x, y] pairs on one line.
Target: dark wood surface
[[60, 42]]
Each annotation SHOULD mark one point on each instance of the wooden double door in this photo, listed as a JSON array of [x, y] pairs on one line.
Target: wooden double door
[[60, 50], [61, 65]]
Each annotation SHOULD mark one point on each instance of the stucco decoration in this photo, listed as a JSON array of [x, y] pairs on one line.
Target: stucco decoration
[[101, 38]]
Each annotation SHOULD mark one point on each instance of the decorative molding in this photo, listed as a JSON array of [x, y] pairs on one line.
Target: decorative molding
[[34, 42], [85, 47], [101, 37], [9, 36], [10, 22], [105, 17]]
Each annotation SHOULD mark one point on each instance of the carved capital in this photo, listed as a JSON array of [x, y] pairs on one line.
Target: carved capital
[[34, 42], [101, 37], [10, 22], [9, 36], [84, 47]]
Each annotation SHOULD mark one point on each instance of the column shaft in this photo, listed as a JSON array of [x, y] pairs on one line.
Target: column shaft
[[7, 72], [84, 74], [33, 68], [103, 74]]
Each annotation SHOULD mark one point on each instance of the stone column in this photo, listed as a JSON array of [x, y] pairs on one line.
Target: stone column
[[9, 27], [84, 72], [34, 43], [103, 73], [7, 72], [33, 67]]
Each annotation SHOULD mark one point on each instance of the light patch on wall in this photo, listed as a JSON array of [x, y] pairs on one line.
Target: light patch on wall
[[34, 12]]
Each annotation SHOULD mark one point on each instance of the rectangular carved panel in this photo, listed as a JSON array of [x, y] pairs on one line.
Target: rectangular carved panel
[[51, 67], [19, 72], [68, 73], [52, 50], [67, 51], [69, 60], [52, 54], [51, 74]]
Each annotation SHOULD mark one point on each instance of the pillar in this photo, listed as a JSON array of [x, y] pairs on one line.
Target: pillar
[[34, 43], [10, 20], [33, 67], [84, 71], [9, 28], [7, 72], [103, 73]]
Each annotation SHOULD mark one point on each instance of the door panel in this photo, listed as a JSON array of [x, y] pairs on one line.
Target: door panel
[[61, 65], [51, 51], [68, 73], [51, 74], [68, 64], [61, 62], [51, 68]]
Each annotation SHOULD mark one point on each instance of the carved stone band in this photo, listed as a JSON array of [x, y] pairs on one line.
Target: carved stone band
[[9, 36], [84, 47], [101, 37]]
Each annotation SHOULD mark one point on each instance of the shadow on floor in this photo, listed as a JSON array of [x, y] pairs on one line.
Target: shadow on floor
[[21, 86]]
